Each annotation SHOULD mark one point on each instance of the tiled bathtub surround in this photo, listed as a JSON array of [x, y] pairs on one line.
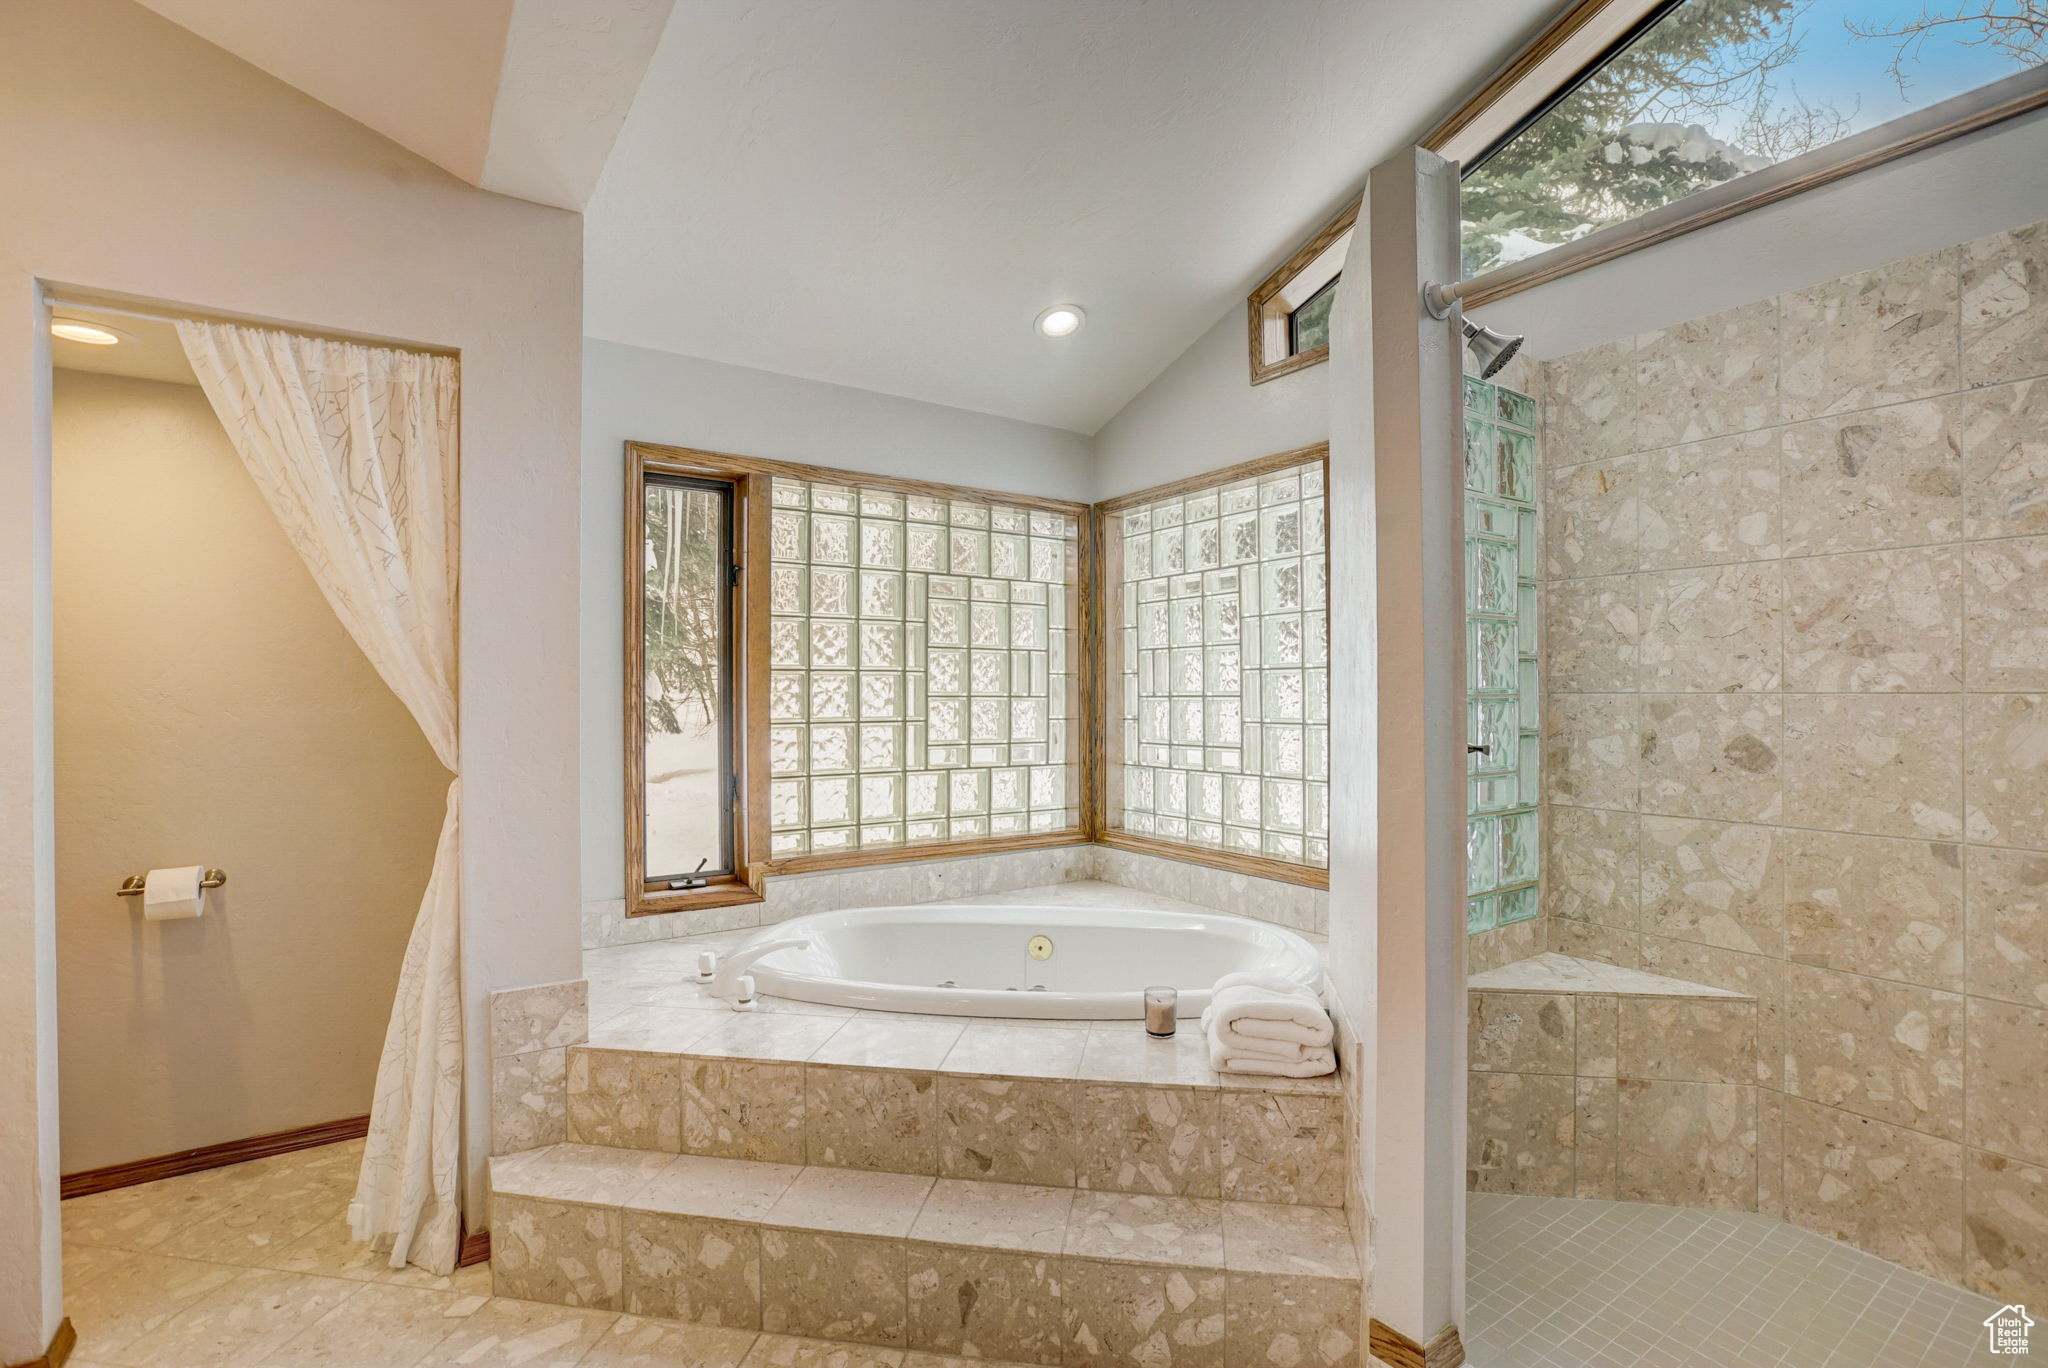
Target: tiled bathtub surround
[[939, 879], [1796, 733], [531, 1030]]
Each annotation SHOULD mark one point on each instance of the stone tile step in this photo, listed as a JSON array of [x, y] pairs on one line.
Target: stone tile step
[[1097, 1109], [1028, 1273]]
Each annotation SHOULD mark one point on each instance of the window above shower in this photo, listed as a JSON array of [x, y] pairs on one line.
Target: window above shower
[[1654, 119]]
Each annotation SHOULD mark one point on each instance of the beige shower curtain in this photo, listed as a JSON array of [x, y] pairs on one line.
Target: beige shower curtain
[[355, 450]]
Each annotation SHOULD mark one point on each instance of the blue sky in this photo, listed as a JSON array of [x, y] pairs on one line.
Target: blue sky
[[1835, 67]]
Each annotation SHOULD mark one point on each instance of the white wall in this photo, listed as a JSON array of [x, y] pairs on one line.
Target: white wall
[[211, 709], [1202, 413], [141, 160], [633, 394]]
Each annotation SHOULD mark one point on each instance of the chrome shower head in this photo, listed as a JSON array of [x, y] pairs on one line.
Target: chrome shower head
[[1492, 349]]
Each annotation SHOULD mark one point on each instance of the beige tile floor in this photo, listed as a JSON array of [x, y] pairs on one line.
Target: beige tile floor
[[1564, 1282], [252, 1267]]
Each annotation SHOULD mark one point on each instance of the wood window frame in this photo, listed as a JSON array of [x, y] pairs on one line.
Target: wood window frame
[[1299, 278], [751, 478], [1105, 749]]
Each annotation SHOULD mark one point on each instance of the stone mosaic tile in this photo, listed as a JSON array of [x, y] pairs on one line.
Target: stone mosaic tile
[[1282, 1147], [1877, 337], [1713, 503], [2007, 892], [1687, 1040], [1013, 1217], [529, 1102], [1590, 866], [545, 1017], [1589, 408], [1590, 749], [1716, 756], [871, 1119], [1597, 1022], [1133, 1228], [995, 1050], [383, 1326], [1686, 1144], [1592, 941], [1893, 1192], [2006, 736], [244, 1321], [1761, 977], [1892, 909], [723, 1189], [1520, 1133], [1866, 481], [1590, 635], [556, 1252], [2005, 1226], [1288, 1322], [1288, 1239], [740, 1110], [2005, 305], [985, 1305], [1880, 765], [2004, 433], [1509, 1032], [1125, 1054], [1713, 630], [1711, 375], [526, 1334], [114, 1297], [656, 1027], [1591, 519], [1008, 1130], [1119, 1314], [1596, 1120], [1889, 1051], [2007, 1086], [1875, 622], [630, 1100], [852, 1202], [1504, 945], [636, 1343], [833, 1286], [1167, 1140], [884, 1044], [2006, 584], [1770, 1153], [692, 1268], [1718, 883]]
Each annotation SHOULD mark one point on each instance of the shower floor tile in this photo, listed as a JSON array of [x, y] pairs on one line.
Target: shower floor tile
[[1564, 1282]]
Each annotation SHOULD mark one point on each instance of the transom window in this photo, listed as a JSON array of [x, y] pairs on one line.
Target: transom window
[[1705, 92]]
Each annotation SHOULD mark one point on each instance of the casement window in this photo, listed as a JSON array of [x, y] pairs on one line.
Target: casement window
[[829, 669], [1216, 669]]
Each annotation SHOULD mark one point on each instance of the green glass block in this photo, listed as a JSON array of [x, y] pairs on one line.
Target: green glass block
[[1493, 794], [1479, 915], [1490, 581], [1516, 454], [1479, 455], [1515, 408], [1482, 854], [1477, 394], [1492, 728], [1491, 663], [1491, 519], [1518, 847], [1519, 906]]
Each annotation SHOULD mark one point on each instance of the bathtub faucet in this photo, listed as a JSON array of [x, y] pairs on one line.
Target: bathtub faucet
[[726, 982]]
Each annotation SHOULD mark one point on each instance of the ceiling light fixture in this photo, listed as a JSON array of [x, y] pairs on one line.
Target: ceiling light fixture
[[91, 334], [1061, 320]]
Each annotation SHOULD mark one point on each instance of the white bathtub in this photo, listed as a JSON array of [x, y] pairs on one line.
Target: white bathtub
[[976, 960]]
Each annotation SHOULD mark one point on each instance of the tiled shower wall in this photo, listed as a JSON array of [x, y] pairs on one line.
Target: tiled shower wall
[[1796, 734]]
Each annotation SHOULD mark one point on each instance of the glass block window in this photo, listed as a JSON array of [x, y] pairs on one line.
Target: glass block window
[[1219, 672], [922, 667], [1502, 834]]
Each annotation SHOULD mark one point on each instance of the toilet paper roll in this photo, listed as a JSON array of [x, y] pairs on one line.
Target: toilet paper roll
[[168, 894]]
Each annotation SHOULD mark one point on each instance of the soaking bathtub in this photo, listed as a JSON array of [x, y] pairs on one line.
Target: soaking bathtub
[[1074, 963]]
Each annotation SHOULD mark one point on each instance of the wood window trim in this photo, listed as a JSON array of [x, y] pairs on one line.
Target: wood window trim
[[1104, 760], [1268, 307], [750, 477]]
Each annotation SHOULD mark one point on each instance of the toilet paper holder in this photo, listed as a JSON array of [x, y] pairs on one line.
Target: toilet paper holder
[[131, 887]]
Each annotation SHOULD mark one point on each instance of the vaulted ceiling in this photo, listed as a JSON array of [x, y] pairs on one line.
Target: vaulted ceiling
[[885, 193]]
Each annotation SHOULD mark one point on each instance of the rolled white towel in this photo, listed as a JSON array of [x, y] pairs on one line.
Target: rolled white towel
[[1272, 983], [1248, 1014], [1313, 1064]]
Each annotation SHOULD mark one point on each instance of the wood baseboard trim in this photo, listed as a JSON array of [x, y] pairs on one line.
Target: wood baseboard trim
[[59, 1352], [213, 1156], [476, 1249], [1389, 1346]]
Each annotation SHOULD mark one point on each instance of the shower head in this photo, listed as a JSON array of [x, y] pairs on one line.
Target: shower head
[[1491, 349]]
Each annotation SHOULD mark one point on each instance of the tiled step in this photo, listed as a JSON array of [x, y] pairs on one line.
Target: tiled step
[[1101, 1107], [1027, 1273]]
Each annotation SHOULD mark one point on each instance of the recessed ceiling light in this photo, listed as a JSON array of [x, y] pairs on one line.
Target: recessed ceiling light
[[91, 334], [1061, 320]]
